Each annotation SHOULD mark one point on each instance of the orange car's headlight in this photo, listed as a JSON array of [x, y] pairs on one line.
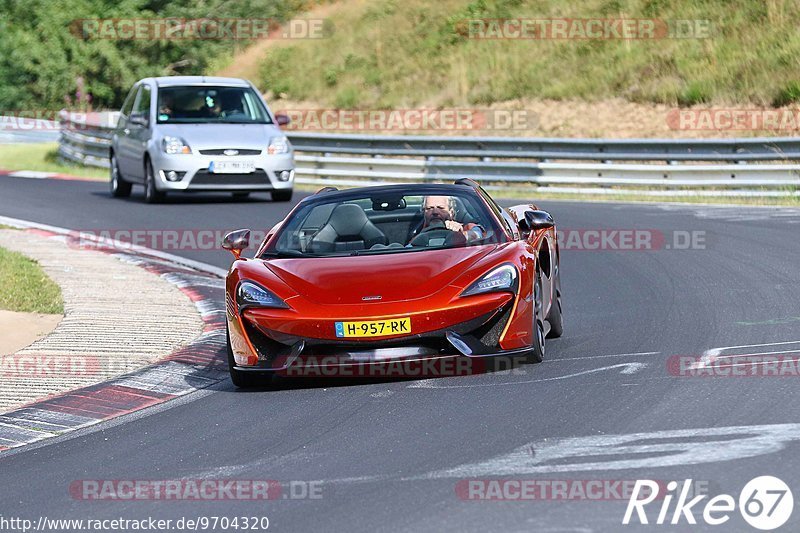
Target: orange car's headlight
[[501, 279], [250, 294]]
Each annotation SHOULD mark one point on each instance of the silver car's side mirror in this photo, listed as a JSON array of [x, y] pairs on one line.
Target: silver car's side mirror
[[139, 119], [236, 241]]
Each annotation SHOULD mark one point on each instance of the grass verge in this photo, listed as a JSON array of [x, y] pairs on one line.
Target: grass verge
[[44, 157], [25, 287]]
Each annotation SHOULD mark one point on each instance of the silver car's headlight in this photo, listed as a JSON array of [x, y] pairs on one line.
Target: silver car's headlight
[[251, 294], [501, 279], [278, 145], [175, 145]]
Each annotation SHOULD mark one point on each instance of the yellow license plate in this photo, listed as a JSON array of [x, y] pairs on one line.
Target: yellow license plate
[[374, 328]]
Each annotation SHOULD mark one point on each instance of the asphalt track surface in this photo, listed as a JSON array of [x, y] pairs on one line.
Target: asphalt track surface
[[391, 454]]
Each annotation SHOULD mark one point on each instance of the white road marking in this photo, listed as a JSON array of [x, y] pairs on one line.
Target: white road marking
[[32, 174], [633, 354], [711, 355], [677, 448], [627, 368]]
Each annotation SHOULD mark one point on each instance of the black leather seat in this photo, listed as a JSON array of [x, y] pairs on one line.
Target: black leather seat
[[348, 228]]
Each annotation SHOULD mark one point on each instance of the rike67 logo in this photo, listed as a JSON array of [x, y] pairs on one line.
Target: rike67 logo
[[766, 503]]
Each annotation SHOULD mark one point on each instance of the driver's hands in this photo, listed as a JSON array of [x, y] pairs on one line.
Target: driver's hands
[[453, 225]]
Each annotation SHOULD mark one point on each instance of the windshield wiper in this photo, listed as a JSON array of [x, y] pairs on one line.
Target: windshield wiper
[[282, 254]]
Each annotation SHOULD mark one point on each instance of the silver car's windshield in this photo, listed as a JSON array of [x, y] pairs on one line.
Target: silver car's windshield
[[210, 105]]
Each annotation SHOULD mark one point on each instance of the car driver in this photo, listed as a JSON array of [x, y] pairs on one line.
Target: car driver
[[439, 210]]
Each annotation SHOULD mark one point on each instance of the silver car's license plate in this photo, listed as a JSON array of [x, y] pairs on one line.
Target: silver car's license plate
[[232, 167]]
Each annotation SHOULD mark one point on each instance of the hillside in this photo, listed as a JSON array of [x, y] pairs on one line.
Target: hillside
[[386, 54], [391, 53]]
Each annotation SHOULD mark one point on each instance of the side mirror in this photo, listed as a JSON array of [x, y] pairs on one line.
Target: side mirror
[[282, 119], [534, 221], [236, 241], [139, 119]]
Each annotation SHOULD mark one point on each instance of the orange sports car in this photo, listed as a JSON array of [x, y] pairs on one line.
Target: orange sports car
[[375, 276]]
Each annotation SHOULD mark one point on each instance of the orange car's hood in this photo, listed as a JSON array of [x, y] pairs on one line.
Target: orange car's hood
[[394, 277]]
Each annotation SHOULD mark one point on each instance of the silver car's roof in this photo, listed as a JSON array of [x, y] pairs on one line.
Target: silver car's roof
[[167, 81]]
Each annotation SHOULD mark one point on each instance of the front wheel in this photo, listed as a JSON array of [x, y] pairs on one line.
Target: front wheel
[[556, 315], [151, 194], [283, 195], [536, 353], [119, 187]]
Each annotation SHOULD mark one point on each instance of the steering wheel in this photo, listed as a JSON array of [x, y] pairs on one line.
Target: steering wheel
[[438, 230]]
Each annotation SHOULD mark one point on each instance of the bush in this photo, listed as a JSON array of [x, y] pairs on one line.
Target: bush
[[45, 63]]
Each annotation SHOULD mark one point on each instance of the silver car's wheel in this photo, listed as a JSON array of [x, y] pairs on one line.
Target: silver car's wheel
[[119, 187], [151, 194]]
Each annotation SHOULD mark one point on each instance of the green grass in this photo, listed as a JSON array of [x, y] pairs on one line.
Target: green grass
[[25, 287], [392, 53], [44, 157]]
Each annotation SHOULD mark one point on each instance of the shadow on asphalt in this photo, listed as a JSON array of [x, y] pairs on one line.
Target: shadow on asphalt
[[192, 198], [284, 383]]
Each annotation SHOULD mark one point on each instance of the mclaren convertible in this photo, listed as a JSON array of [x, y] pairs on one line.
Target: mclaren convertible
[[400, 274]]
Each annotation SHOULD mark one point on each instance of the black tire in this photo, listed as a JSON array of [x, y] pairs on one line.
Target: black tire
[[244, 380], [284, 195], [241, 195], [556, 315], [151, 194], [536, 353], [119, 187]]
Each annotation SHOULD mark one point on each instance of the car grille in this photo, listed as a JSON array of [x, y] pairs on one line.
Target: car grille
[[221, 151], [204, 177]]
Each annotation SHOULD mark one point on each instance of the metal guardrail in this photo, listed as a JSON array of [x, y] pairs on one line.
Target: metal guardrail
[[719, 167], [755, 149], [86, 138]]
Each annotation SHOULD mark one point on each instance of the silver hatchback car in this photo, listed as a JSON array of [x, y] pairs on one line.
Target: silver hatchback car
[[198, 133]]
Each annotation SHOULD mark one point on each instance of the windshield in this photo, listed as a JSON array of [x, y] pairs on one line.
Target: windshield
[[385, 223], [208, 104]]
